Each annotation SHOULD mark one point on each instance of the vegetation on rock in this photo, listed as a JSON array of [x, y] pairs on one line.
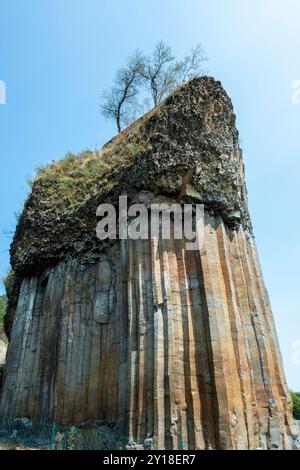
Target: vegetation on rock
[[64, 185], [3, 304]]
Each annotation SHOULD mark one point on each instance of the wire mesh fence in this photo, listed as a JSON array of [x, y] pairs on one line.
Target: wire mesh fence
[[22, 433]]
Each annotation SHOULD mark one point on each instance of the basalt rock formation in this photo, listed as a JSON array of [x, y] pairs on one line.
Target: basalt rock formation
[[159, 342]]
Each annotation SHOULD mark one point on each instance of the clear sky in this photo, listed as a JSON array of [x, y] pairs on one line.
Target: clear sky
[[56, 57]]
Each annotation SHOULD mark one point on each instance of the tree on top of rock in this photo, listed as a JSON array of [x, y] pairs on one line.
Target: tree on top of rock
[[154, 76]]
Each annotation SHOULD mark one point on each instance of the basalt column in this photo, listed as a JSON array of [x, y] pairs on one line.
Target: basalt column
[[158, 341]]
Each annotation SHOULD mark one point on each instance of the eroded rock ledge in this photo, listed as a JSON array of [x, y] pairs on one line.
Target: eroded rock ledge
[[190, 139]]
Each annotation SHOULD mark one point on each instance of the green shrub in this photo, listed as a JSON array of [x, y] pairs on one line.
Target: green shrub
[[296, 405]]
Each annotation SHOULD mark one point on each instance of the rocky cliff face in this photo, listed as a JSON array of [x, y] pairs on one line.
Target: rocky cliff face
[[162, 343]]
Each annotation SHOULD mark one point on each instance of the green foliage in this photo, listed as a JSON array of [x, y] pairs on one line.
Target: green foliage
[[71, 436], [3, 303], [9, 281], [296, 404], [64, 185]]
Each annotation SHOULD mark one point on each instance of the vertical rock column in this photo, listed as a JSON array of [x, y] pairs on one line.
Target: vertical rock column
[[157, 341]]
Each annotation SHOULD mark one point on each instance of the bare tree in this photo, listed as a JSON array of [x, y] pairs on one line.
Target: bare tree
[[159, 72], [191, 65], [163, 74], [118, 101]]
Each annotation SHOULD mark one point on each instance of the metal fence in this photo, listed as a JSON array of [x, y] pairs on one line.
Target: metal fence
[[22, 433]]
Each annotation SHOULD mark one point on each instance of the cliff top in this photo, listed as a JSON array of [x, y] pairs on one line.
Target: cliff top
[[192, 135]]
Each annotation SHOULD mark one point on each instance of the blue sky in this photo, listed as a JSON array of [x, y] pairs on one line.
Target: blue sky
[[56, 57]]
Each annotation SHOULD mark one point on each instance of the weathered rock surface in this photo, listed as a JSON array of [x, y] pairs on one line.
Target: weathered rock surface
[[170, 347]]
